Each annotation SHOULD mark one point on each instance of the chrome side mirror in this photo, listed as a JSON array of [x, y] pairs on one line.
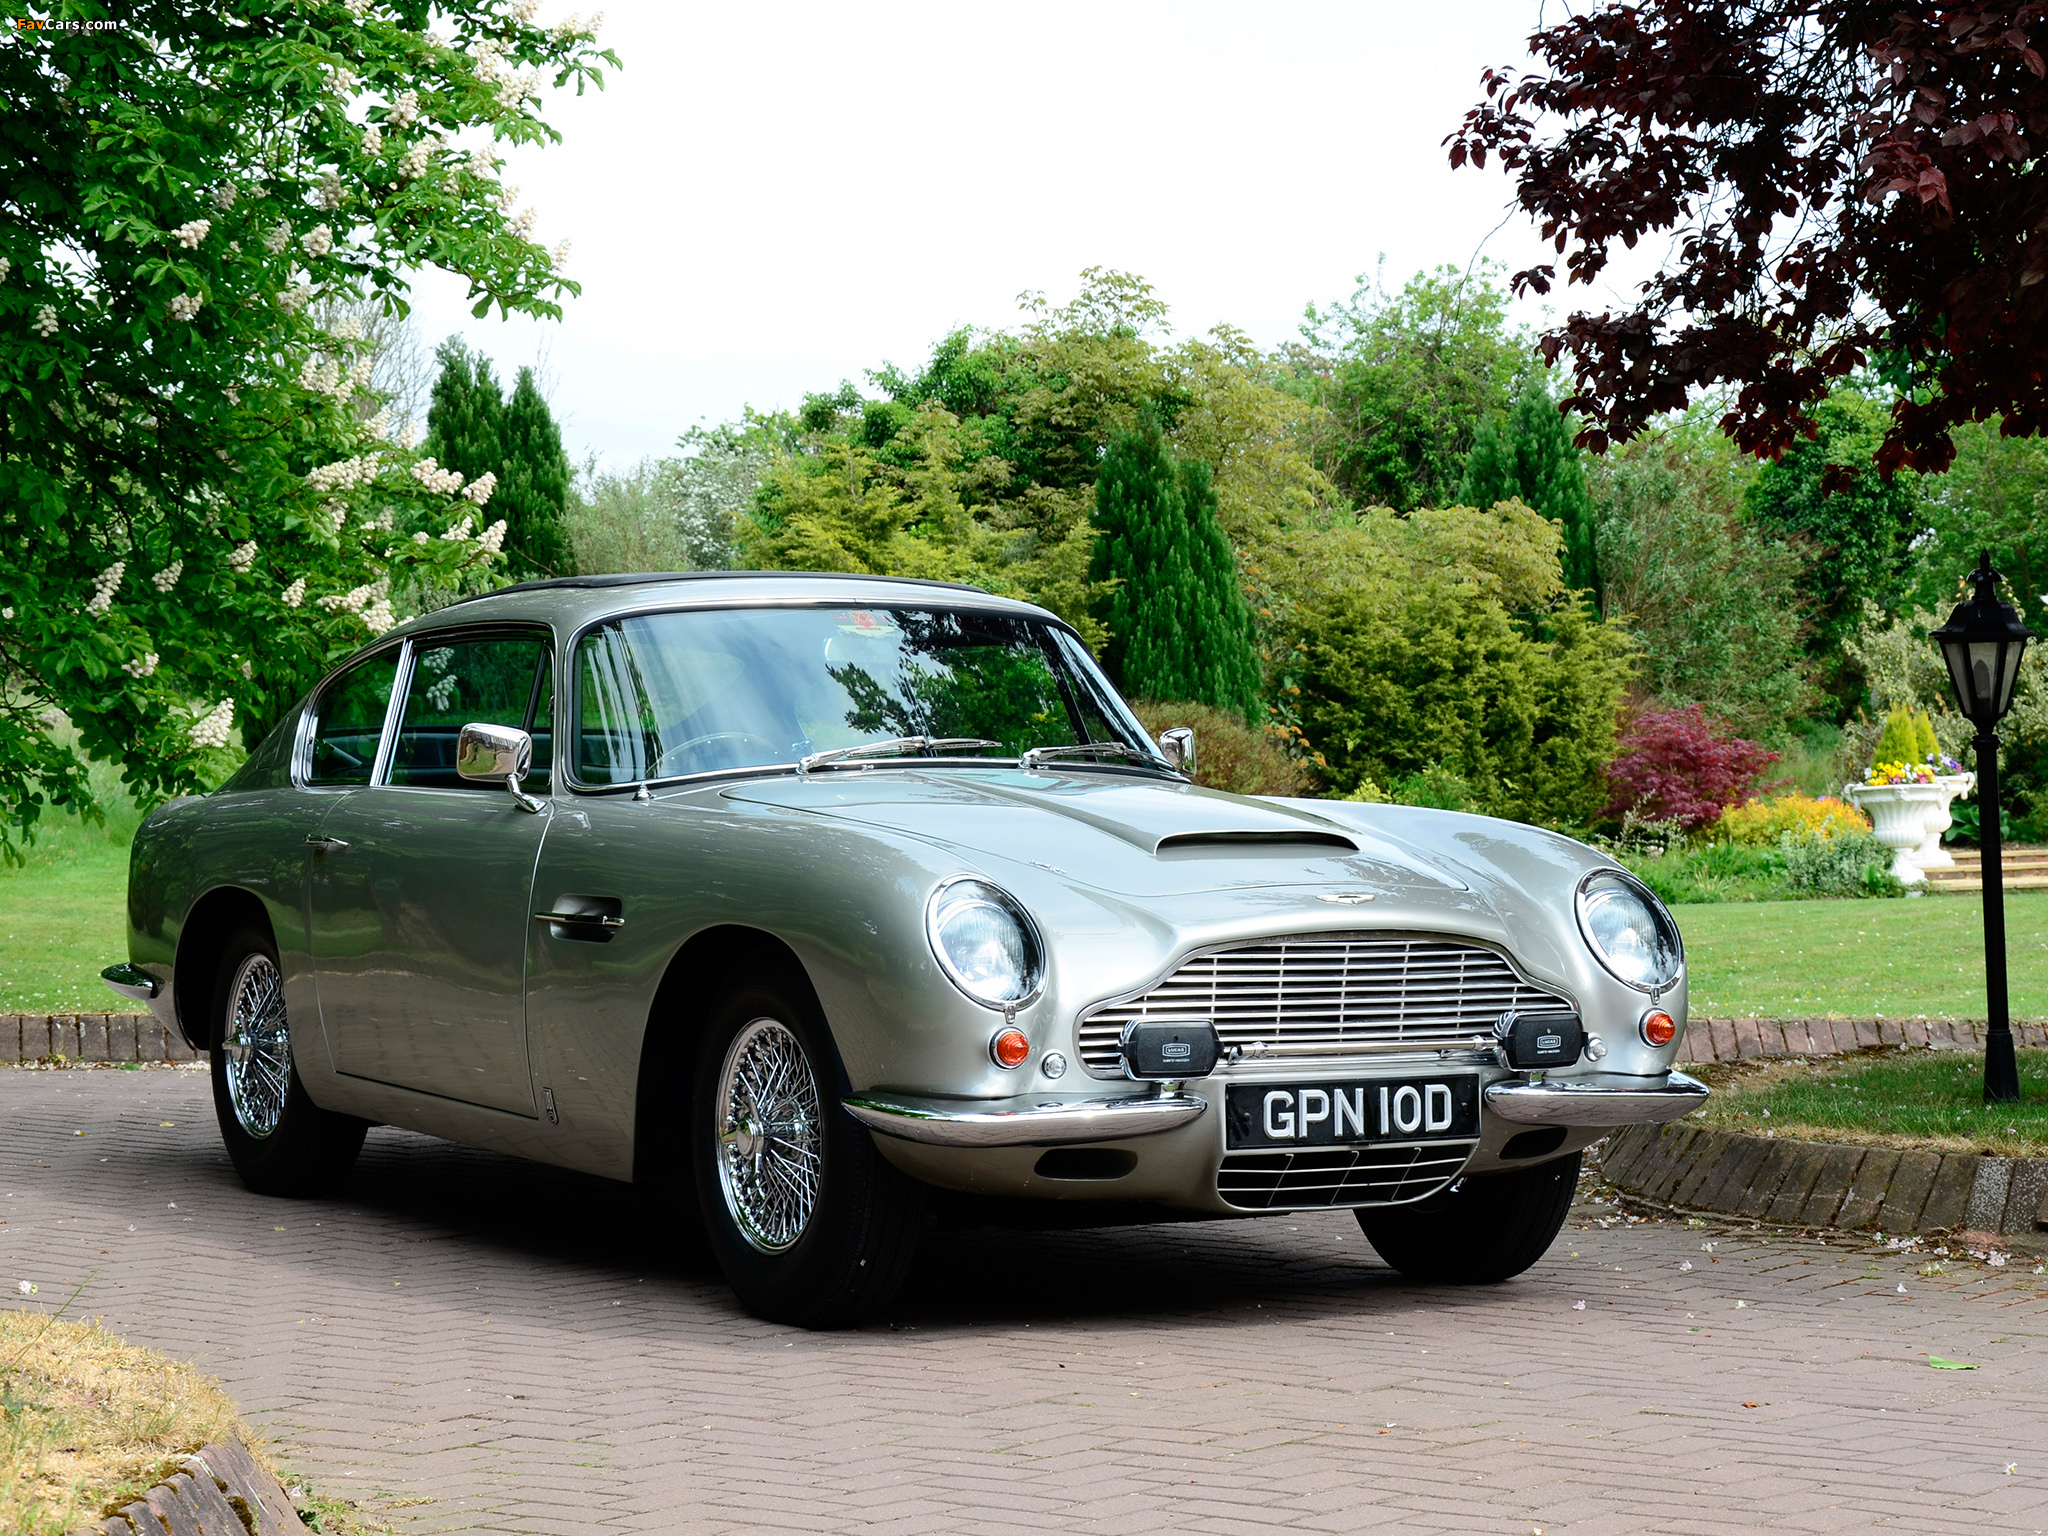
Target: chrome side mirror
[[496, 754], [1179, 746]]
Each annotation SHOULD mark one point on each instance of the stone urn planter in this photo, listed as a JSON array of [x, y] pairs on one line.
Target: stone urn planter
[[1898, 816], [1930, 854]]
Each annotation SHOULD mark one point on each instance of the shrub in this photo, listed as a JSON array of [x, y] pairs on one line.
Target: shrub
[[1437, 787], [1760, 823], [1228, 753], [1675, 765], [1853, 864]]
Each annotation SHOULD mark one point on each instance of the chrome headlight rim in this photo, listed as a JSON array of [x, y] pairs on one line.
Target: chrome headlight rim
[[1660, 916], [944, 898]]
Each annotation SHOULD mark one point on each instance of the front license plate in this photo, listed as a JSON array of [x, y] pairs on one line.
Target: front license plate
[[1351, 1114]]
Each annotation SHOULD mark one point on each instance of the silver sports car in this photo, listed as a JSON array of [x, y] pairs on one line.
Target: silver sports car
[[817, 901]]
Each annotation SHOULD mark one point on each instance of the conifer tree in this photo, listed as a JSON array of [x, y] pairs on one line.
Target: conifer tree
[[465, 414], [1529, 455], [533, 485], [1179, 625]]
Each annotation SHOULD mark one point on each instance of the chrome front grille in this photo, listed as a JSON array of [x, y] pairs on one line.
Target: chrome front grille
[[1326, 995], [1270, 1181]]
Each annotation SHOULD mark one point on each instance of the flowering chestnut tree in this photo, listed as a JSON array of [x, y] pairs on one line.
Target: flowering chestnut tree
[[202, 506]]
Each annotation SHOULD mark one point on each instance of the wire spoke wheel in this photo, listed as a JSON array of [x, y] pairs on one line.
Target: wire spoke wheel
[[258, 1046], [770, 1136]]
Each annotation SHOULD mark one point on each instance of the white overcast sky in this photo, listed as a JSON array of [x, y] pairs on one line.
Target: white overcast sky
[[769, 198]]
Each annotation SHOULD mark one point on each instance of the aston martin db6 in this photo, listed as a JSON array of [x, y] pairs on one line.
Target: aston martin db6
[[819, 903]]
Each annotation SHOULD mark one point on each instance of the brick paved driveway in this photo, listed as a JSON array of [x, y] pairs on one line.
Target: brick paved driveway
[[466, 1342]]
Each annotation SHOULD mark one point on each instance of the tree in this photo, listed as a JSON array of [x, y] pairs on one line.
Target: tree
[[196, 520], [466, 412], [1406, 380], [1528, 456], [1178, 626], [1860, 525], [1845, 185], [533, 485]]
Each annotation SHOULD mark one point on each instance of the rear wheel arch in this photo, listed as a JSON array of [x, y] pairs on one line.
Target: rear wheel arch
[[213, 920], [696, 974]]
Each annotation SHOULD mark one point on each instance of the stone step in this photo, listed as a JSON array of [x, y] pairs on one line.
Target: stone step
[[1949, 880]]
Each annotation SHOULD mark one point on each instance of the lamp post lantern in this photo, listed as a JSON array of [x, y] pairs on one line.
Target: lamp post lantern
[[1982, 642]]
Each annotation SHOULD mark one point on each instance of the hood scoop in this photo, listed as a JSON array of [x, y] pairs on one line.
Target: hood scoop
[[1275, 840]]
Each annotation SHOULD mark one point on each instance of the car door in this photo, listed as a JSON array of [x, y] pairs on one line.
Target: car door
[[418, 903]]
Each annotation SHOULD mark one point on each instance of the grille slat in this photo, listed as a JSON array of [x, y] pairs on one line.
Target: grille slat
[[1348, 993], [1262, 1181]]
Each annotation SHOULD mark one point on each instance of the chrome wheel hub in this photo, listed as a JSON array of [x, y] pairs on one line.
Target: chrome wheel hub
[[257, 1045], [770, 1136]]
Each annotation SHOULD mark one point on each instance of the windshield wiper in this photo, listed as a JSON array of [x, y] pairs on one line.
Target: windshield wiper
[[896, 747], [1030, 760]]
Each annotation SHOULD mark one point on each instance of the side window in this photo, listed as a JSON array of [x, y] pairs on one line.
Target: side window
[[494, 680], [350, 721]]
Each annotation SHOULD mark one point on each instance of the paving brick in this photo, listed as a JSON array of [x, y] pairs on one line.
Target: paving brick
[[1916, 1031], [92, 1039], [35, 1038], [121, 1039], [1831, 1185], [1788, 1206], [1762, 1186], [1891, 1032], [64, 1036], [1866, 1195], [1660, 1164], [1868, 1036], [2029, 1188], [1948, 1203], [1725, 1047], [1702, 1164], [1748, 1039], [1736, 1165], [149, 1040], [1990, 1187], [10, 1037], [1906, 1196]]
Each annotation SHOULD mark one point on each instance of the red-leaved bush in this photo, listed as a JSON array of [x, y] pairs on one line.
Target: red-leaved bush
[[1674, 765]]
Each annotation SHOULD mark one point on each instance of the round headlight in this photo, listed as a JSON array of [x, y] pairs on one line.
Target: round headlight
[[1629, 930], [985, 943]]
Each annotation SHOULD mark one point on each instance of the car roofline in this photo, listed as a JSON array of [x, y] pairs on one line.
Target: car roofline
[[659, 578]]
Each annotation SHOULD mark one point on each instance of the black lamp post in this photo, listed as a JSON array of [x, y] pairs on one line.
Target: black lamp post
[[1982, 642]]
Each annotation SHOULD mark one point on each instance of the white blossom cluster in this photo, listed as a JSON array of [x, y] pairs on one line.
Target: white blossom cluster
[[279, 237], [344, 474], [322, 375], [185, 305], [408, 435], [379, 617], [224, 196], [46, 320], [525, 10], [167, 578], [294, 594], [445, 482], [190, 234], [558, 258], [211, 729], [242, 557], [354, 600], [359, 372], [524, 223], [104, 587], [318, 240], [482, 162], [6, 267], [246, 669], [487, 58], [414, 165], [358, 8], [520, 87], [379, 425], [576, 26], [405, 111], [436, 38], [492, 539], [460, 532], [329, 194], [347, 328], [140, 666], [373, 140], [295, 298], [345, 81], [508, 197], [481, 487]]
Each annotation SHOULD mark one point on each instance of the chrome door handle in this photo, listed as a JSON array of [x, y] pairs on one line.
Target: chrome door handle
[[581, 919], [321, 844]]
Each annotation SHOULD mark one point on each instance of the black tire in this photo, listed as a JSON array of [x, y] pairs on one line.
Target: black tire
[[279, 1140], [827, 1259], [1480, 1232]]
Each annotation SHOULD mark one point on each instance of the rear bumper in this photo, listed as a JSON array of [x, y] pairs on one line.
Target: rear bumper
[[1037, 1121], [1601, 1099], [131, 981]]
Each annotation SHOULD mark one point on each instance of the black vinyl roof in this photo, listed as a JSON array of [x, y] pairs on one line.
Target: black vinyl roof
[[649, 578]]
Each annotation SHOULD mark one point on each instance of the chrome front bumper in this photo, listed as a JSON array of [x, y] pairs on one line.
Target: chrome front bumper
[[1602, 1099], [1036, 1121]]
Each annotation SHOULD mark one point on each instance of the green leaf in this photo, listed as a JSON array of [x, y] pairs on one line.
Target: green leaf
[[1943, 1363]]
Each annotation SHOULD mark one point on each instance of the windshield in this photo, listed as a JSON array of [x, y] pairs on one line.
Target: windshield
[[666, 695]]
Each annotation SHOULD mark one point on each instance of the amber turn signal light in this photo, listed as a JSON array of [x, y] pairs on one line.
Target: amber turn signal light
[[1010, 1049], [1659, 1028]]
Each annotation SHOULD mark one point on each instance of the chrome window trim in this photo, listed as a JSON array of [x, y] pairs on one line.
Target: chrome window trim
[[309, 716], [1200, 952], [394, 713], [572, 713]]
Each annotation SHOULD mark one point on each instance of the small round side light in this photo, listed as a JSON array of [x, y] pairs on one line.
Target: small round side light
[[1659, 1028], [1009, 1049]]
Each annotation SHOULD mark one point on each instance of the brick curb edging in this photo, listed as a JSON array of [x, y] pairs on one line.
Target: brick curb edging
[[1712, 1040], [1826, 1184], [90, 1037], [220, 1492]]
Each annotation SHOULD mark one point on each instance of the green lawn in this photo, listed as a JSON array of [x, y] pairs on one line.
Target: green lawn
[[61, 919], [1900, 959], [1931, 1099]]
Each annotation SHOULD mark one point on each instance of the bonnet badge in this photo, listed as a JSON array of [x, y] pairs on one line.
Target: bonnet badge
[[1348, 900]]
